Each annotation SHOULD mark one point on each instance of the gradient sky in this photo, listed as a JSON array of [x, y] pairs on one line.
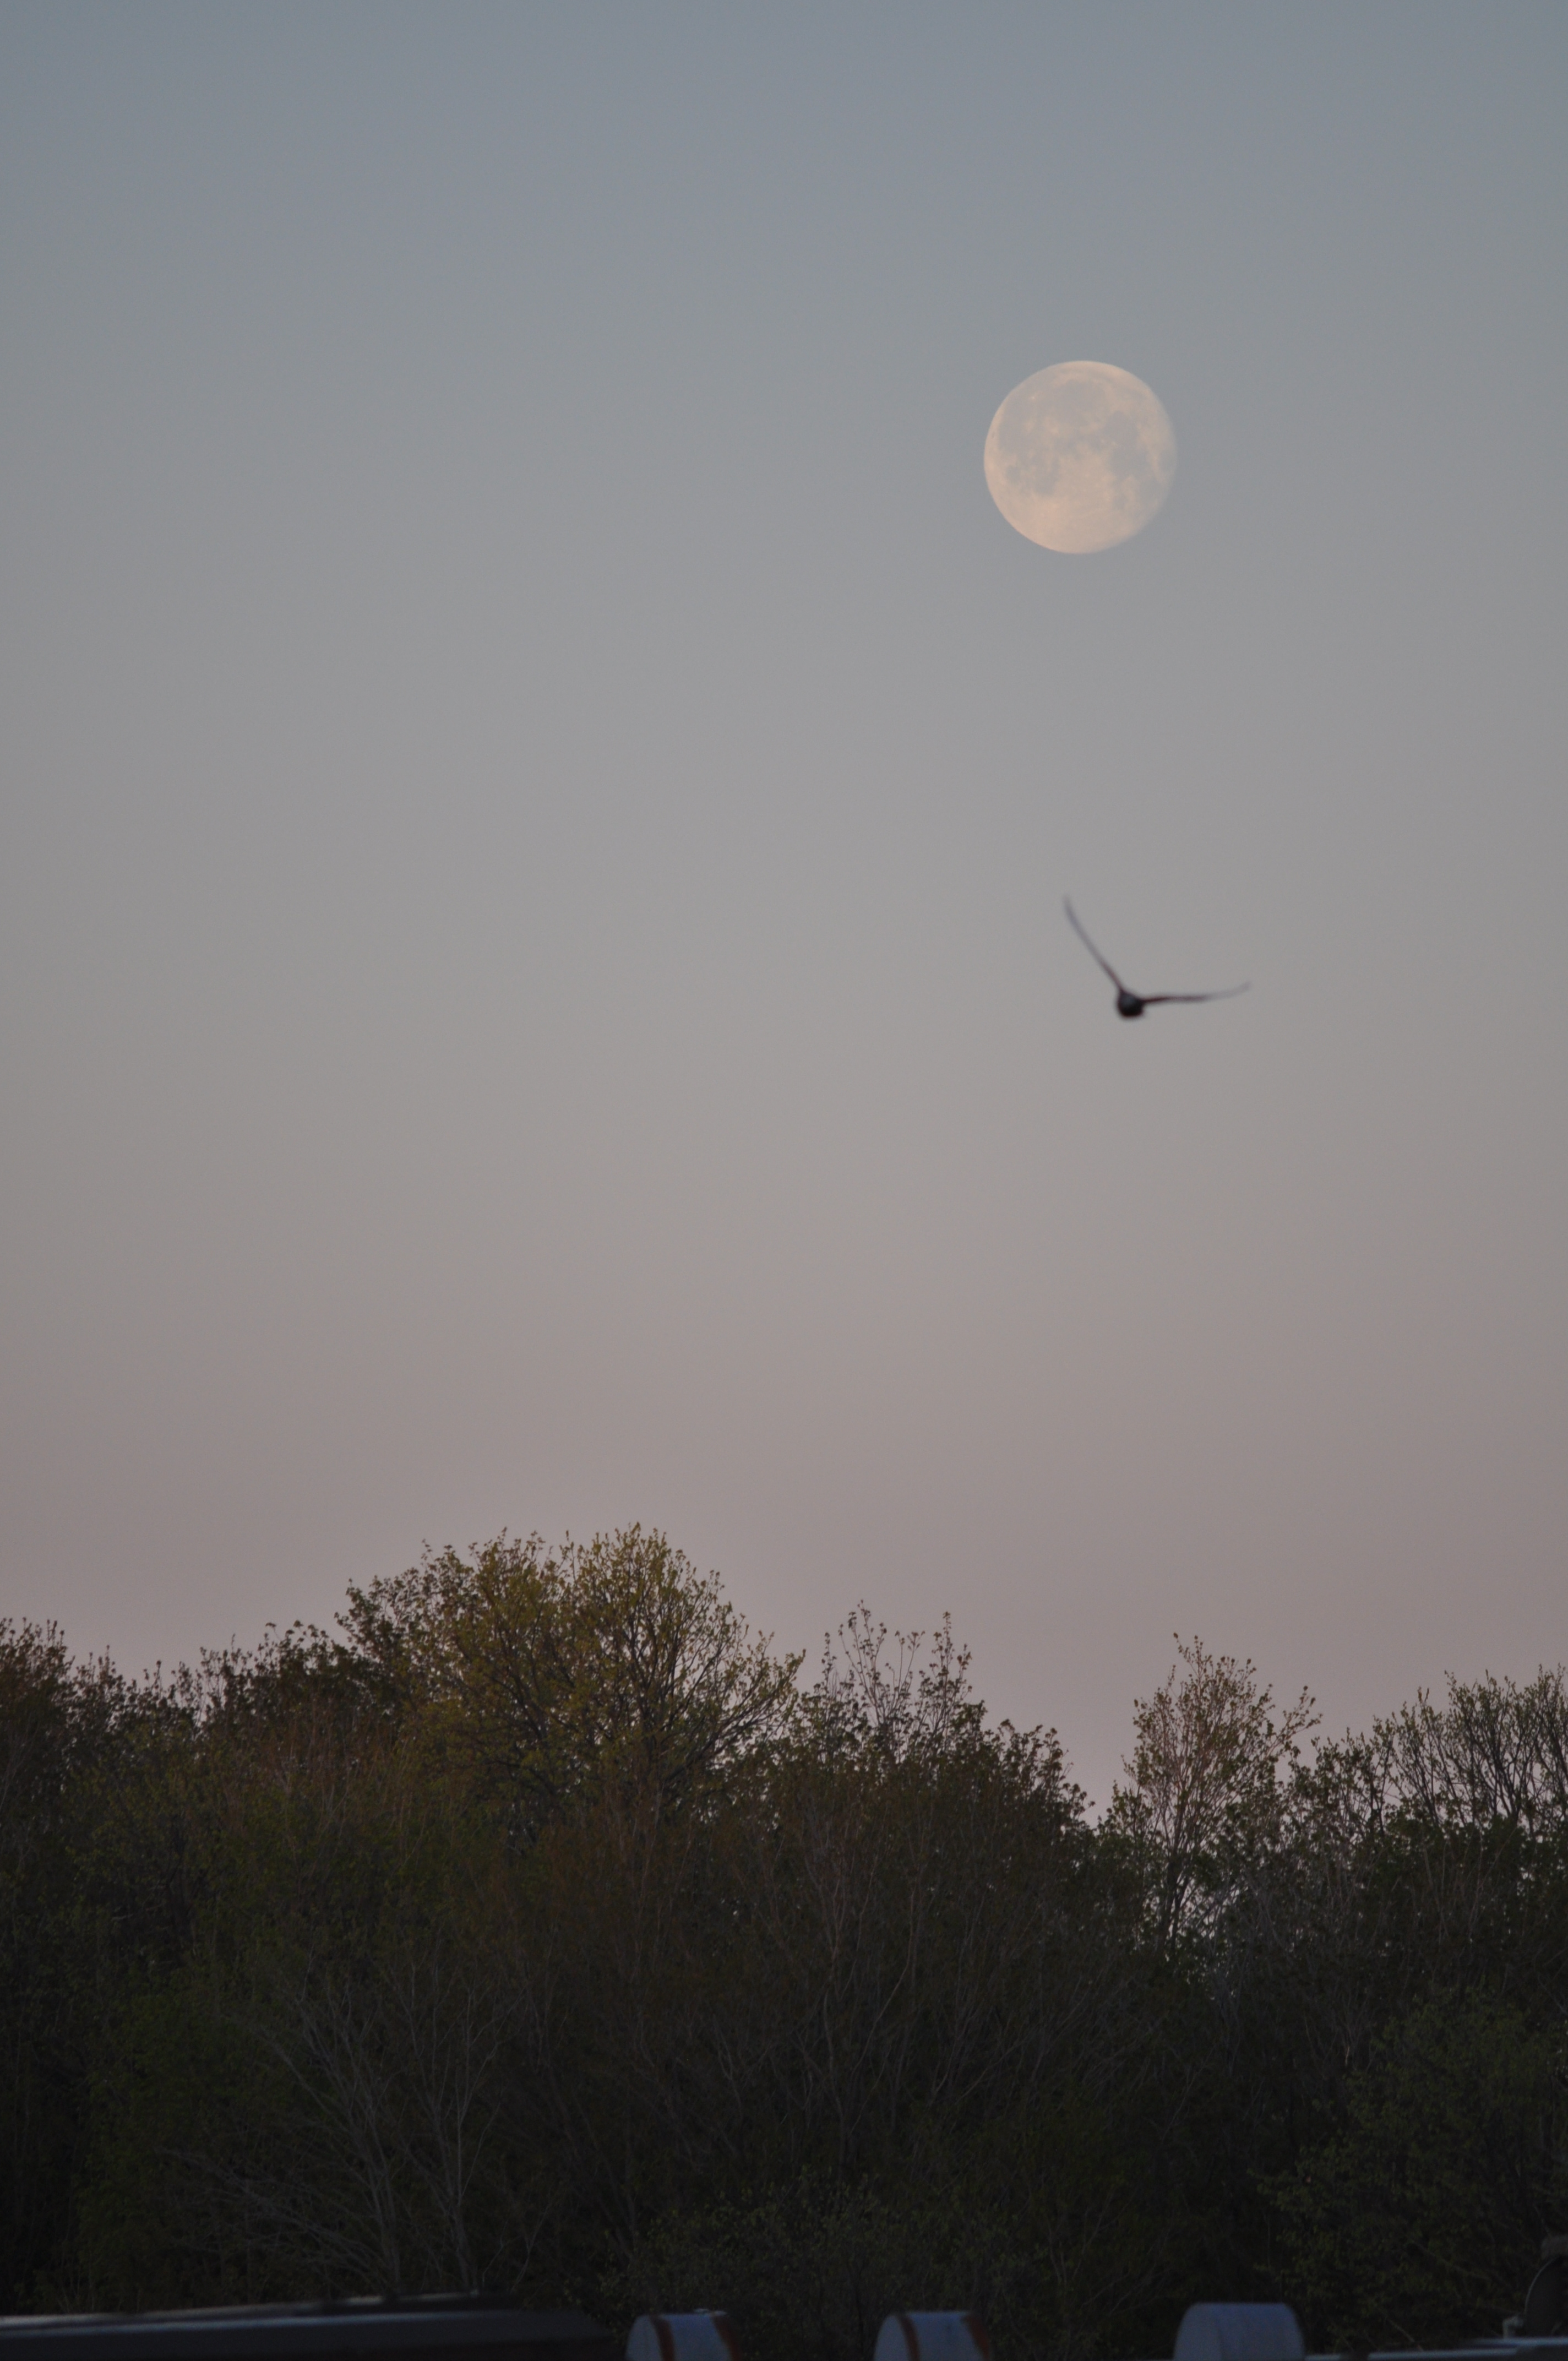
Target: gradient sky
[[538, 789]]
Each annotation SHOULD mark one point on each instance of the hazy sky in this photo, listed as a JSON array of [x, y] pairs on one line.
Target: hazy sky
[[538, 789]]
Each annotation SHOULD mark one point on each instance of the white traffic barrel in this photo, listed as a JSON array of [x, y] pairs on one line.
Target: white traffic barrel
[[682, 2336], [932, 2336], [1239, 2331]]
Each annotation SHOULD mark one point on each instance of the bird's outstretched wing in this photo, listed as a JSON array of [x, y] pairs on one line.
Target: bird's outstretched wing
[[1083, 938], [1152, 999]]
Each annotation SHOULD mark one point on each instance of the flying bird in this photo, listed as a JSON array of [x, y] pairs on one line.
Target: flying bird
[[1132, 1004]]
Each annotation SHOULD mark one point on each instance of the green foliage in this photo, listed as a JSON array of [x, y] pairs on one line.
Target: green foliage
[[1207, 1795], [546, 1676], [814, 2266], [1450, 2164], [543, 1931]]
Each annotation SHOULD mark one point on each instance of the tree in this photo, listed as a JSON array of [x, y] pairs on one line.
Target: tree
[[548, 1676], [1205, 1794], [1419, 2220]]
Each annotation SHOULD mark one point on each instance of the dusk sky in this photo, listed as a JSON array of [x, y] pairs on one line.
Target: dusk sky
[[538, 788]]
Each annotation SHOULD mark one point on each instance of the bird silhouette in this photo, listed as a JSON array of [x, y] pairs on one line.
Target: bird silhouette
[[1132, 1004]]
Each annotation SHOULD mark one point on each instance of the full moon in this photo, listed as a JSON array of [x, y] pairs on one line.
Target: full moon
[[1079, 456]]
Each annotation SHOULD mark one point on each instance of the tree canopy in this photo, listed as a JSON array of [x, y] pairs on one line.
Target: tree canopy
[[543, 1929]]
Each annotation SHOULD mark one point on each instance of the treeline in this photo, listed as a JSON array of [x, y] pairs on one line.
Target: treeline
[[544, 1931]]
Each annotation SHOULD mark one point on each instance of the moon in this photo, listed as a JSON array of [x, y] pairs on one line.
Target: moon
[[1079, 456]]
